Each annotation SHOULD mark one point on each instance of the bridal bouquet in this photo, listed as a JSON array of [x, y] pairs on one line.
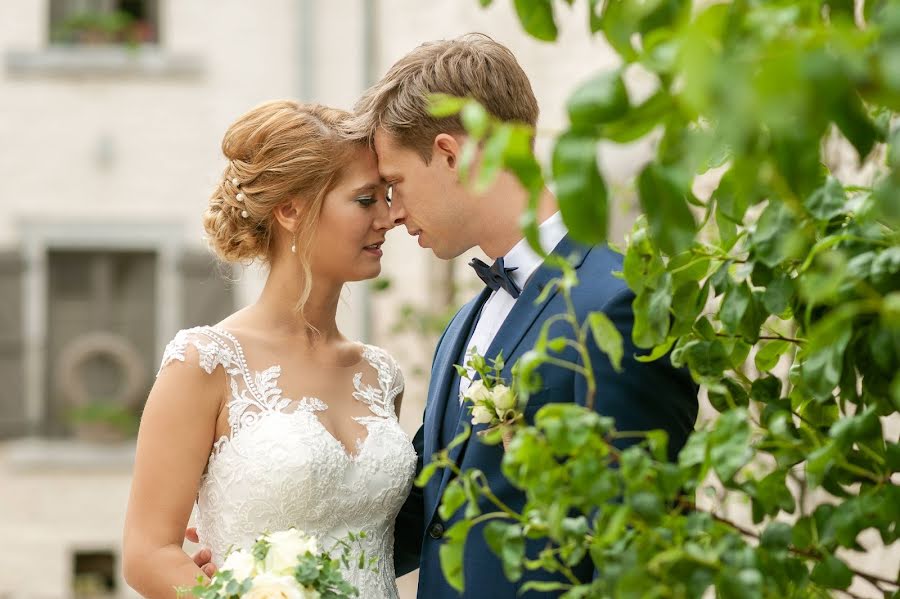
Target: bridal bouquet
[[281, 565]]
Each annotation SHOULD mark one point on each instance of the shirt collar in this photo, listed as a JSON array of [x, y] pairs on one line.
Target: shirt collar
[[522, 257]]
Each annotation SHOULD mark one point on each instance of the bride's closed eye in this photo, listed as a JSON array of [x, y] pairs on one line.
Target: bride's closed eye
[[366, 201]]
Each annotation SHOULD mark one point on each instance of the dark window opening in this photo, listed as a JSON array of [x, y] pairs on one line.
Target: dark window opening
[[94, 574], [104, 22]]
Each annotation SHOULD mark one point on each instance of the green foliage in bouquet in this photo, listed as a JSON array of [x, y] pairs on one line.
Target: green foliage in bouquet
[[287, 562], [780, 290]]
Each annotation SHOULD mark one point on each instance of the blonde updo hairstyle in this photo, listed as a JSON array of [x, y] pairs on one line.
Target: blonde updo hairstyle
[[277, 152]]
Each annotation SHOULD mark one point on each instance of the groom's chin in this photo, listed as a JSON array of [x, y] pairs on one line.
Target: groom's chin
[[447, 253]]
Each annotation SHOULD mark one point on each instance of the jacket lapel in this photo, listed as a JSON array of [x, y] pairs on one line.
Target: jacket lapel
[[519, 321], [444, 374]]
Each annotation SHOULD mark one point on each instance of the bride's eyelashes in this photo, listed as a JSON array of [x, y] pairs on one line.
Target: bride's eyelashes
[[366, 201]]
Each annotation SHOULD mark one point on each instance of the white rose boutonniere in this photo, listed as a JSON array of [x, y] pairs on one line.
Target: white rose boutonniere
[[490, 400]]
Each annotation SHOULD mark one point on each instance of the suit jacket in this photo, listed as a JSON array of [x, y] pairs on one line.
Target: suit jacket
[[644, 396]]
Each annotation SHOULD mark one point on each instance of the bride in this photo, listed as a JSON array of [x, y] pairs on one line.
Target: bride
[[271, 419]]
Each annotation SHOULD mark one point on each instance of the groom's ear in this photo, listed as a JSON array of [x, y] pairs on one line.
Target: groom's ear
[[446, 148]]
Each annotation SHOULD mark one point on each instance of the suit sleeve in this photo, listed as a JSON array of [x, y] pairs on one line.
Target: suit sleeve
[[409, 527], [410, 524], [644, 395]]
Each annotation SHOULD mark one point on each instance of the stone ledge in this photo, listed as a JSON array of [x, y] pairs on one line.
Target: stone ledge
[[102, 61], [35, 454]]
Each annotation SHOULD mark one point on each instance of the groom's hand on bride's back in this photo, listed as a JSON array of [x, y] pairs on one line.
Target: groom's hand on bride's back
[[202, 558]]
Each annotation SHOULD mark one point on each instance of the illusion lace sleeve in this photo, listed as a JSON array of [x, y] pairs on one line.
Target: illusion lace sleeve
[[211, 352]]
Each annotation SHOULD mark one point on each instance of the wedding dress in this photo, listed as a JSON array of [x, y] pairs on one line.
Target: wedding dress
[[280, 467]]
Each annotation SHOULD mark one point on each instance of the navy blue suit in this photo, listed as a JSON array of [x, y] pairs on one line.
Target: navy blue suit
[[643, 396]]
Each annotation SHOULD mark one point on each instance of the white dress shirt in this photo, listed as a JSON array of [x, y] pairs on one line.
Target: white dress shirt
[[500, 303]]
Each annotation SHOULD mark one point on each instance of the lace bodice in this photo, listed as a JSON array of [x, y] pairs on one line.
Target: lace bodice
[[280, 467]]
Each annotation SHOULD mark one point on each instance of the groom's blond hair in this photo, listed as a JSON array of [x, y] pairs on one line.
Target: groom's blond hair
[[473, 65]]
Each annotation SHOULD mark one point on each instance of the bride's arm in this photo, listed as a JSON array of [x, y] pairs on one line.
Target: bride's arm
[[175, 439]]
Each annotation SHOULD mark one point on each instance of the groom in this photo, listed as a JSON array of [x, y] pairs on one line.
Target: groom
[[419, 157]]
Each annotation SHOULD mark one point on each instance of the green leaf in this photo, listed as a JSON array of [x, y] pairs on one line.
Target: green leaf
[[508, 543], [640, 120], [778, 293], [444, 105], [426, 474], [651, 314], [617, 28], [580, 189], [492, 157], [769, 354], [731, 196], [475, 119], [727, 231], [734, 304], [607, 338], [598, 100], [519, 159], [854, 122], [707, 358], [537, 19], [647, 505], [777, 535], [832, 573], [695, 453], [658, 352], [460, 438], [824, 363], [864, 426], [451, 554], [770, 495], [746, 583], [828, 201], [820, 462], [544, 587], [663, 200], [766, 389], [595, 21], [730, 444], [773, 227], [453, 498]]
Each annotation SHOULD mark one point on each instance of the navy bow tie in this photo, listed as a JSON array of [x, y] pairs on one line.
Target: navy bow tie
[[496, 276]]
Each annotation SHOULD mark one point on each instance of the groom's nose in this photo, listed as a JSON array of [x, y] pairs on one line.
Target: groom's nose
[[397, 213]]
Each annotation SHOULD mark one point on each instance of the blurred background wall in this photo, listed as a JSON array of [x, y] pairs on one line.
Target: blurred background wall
[[111, 116]]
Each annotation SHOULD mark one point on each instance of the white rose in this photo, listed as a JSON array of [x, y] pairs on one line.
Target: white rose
[[477, 393], [271, 586], [481, 415], [284, 548], [241, 564], [503, 398]]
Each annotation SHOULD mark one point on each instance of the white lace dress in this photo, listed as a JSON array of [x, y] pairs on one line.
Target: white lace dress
[[280, 467]]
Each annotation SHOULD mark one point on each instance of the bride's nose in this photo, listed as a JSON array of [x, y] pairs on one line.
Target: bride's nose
[[383, 220]]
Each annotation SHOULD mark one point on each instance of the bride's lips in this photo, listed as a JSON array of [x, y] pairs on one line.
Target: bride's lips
[[375, 249]]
